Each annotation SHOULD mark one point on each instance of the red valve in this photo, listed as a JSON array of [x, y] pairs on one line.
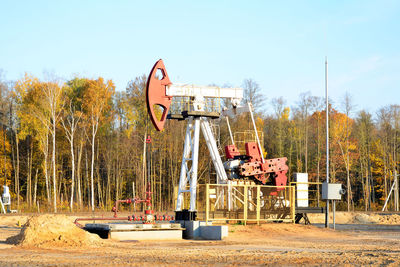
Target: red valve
[[156, 94], [148, 140]]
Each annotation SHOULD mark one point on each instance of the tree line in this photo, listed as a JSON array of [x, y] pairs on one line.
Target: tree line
[[80, 144]]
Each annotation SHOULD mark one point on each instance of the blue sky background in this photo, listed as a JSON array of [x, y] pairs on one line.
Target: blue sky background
[[280, 44]]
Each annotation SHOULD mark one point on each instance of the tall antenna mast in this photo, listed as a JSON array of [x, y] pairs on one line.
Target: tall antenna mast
[[327, 140]]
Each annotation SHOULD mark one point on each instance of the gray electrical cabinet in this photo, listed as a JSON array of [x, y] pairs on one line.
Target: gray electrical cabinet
[[331, 191]]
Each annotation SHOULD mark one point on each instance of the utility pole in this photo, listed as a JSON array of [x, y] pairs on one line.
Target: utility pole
[[327, 140], [396, 191]]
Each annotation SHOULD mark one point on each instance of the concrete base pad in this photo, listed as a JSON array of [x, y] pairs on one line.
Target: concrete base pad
[[159, 231], [136, 231], [147, 235], [203, 231]]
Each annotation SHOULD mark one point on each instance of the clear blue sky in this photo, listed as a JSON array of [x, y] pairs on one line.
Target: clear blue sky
[[279, 44]]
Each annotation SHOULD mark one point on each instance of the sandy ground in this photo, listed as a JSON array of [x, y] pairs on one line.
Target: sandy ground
[[268, 244]]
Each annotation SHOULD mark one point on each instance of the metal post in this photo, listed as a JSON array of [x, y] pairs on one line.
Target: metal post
[[195, 161], [258, 204], [334, 210], [184, 166], [133, 196], [388, 197], [229, 196], [292, 203], [190, 153], [2, 206], [327, 140], [245, 205], [397, 190], [394, 193], [207, 201]]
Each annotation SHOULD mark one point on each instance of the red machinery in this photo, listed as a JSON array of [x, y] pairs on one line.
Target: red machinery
[[251, 165], [146, 218]]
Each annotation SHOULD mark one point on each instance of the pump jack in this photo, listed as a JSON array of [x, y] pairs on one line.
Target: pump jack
[[160, 91]]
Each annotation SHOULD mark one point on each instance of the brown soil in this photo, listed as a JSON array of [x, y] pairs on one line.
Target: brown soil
[[252, 245], [357, 217], [52, 231]]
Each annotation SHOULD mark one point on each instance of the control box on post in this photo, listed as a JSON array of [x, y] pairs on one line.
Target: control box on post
[[332, 191]]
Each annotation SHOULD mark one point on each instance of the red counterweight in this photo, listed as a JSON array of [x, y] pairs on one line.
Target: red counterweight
[[252, 151], [251, 165], [231, 151]]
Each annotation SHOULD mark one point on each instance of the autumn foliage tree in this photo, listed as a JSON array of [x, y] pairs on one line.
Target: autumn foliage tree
[[79, 145], [96, 104]]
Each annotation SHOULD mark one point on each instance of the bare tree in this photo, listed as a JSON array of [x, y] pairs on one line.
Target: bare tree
[[252, 94], [279, 105], [70, 122], [317, 104], [364, 132], [348, 107], [4, 115], [304, 107], [385, 133], [97, 100], [53, 99]]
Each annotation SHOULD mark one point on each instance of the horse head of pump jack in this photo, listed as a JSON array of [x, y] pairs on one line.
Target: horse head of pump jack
[[160, 91], [156, 94]]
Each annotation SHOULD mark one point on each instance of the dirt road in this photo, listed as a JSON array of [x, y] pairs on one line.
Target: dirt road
[[269, 244]]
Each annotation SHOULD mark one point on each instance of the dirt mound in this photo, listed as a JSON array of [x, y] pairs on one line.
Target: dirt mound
[[389, 219], [53, 231]]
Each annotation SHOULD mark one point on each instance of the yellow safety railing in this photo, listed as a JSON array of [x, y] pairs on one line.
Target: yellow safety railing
[[314, 192], [246, 136], [246, 203]]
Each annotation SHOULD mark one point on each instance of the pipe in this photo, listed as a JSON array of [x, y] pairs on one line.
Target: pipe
[[76, 222], [115, 208], [142, 218], [134, 200]]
